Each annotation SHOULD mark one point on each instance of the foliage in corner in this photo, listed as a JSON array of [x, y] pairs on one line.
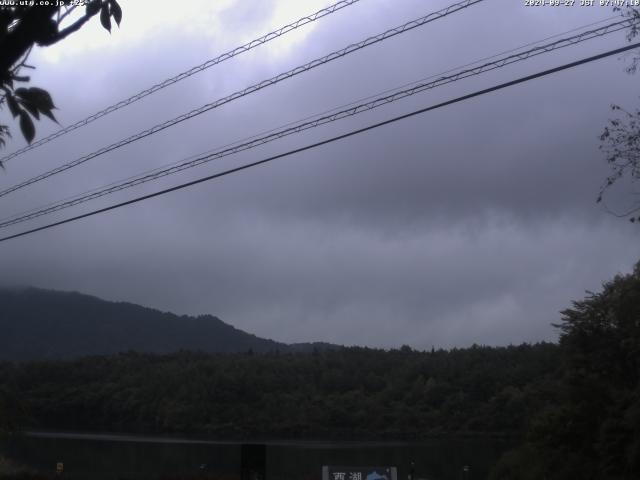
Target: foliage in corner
[[21, 28], [620, 140], [592, 430]]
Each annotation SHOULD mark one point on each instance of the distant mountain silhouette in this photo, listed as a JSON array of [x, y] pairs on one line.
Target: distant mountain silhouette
[[37, 324]]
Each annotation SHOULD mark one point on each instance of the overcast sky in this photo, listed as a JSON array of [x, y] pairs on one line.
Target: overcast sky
[[472, 223]]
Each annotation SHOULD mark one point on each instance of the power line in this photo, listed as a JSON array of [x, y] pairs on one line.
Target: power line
[[186, 74], [258, 86], [330, 140], [321, 120]]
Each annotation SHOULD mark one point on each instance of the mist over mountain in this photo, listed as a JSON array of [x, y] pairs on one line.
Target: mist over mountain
[[37, 324]]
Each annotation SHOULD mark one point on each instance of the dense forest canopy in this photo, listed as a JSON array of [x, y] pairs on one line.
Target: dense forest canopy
[[352, 392], [591, 430], [574, 405]]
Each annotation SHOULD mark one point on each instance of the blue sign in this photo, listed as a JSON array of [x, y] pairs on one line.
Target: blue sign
[[331, 472]]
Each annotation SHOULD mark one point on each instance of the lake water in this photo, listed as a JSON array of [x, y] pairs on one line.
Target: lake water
[[112, 457]]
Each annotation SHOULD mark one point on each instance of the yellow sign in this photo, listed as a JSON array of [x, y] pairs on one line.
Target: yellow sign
[[59, 467]]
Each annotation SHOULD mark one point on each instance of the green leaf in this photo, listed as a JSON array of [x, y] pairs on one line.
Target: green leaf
[[26, 126], [49, 114], [104, 17], [4, 130], [116, 11], [93, 8], [40, 98], [14, 108], [36, 100], [33, 110]]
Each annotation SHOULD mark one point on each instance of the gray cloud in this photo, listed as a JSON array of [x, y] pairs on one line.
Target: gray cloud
[[474, 223]]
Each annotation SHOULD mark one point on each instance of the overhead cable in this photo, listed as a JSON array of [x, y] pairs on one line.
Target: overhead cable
[[329, 140], [186, 74], [253, 88], [315, 122]]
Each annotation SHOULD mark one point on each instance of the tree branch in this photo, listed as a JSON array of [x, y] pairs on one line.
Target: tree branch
[[31, 28], [67, 12], [74, 27]]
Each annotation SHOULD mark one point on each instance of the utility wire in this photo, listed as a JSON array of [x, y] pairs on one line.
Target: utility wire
[[258, 86], [186, 74], [305, 125], [330, 140], [412, 83]]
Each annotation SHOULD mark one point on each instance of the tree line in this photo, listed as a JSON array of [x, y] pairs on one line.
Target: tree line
[[351, 392], [574, 407]]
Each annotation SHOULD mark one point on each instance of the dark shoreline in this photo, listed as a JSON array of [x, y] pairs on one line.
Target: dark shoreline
[[307, 442]]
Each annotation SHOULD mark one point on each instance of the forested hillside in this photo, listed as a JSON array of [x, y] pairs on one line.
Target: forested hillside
[[575, 405], [591, 428], [348, 393], [44, 324]]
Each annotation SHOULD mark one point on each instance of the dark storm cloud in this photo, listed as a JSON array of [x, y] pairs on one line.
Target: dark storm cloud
[[474, 223]]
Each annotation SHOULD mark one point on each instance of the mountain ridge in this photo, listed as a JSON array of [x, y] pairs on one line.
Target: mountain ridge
[[43, 324]]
